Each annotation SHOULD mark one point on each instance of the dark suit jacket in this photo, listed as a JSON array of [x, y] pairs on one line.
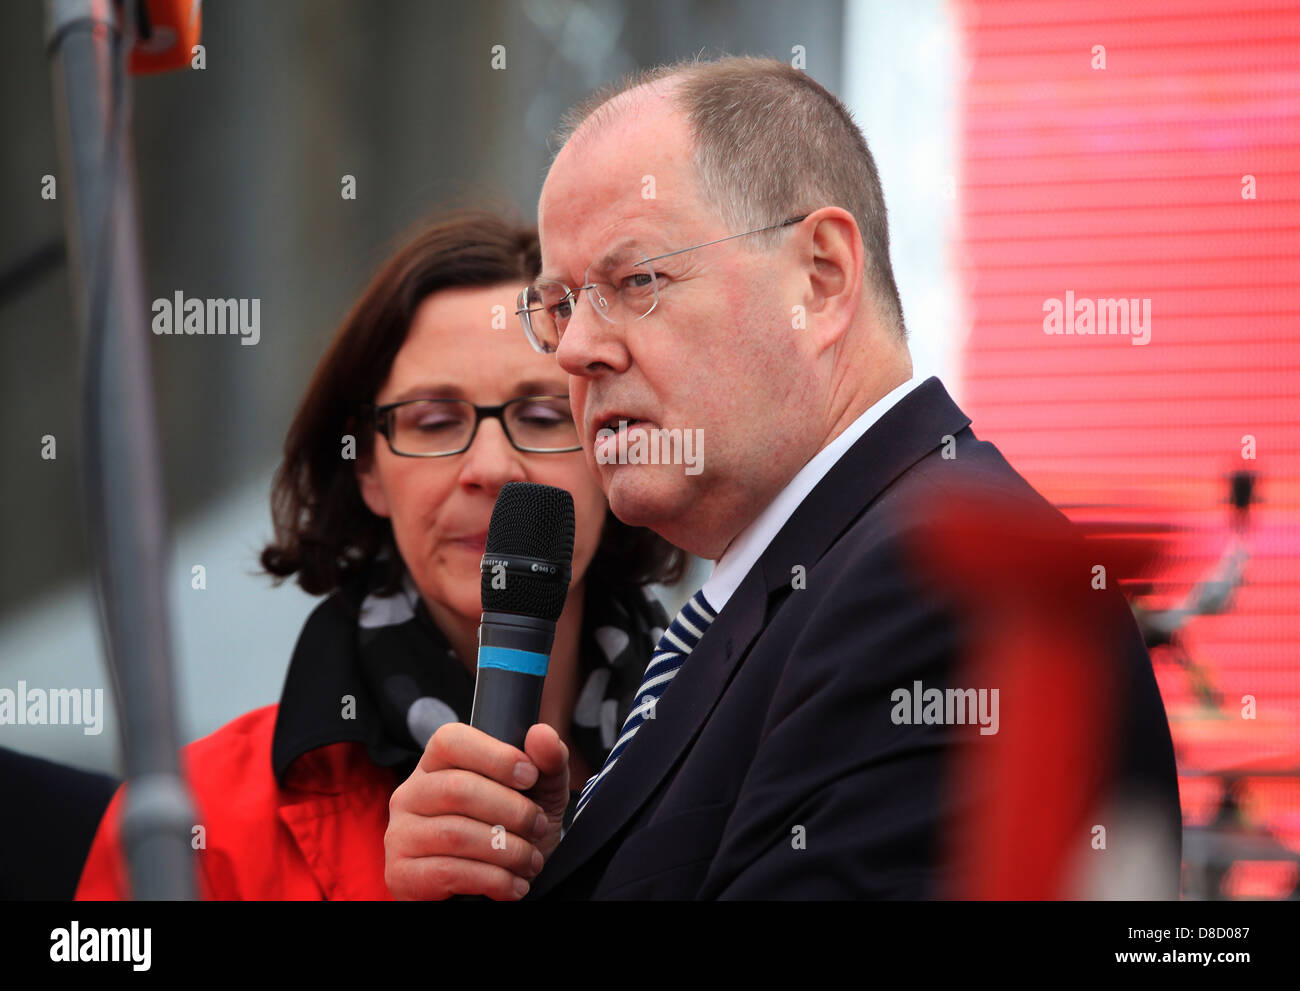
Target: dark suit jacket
[[781, 717], [51, 813]]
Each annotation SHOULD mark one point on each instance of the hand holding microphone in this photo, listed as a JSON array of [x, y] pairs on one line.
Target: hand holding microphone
[[482, 811]]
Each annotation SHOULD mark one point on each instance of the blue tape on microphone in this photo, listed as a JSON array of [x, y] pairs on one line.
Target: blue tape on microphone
[[509, 659]]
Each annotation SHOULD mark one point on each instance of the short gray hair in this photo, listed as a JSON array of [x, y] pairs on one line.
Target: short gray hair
[[770, 143]]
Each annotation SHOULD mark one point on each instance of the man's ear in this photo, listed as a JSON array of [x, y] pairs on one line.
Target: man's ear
[[832, 258], [372, 489]]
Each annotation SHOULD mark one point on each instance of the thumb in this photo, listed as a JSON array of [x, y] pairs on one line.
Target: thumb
[[548, 752]]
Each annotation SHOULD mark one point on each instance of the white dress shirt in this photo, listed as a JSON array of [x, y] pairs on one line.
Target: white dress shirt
[[748, 546]]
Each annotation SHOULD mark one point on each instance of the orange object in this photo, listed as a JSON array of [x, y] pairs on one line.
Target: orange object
[[174, 27]]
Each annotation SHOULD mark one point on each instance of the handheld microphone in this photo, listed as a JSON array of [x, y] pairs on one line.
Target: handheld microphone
[[525, 575]]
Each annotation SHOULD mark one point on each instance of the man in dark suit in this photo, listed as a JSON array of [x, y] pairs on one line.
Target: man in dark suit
[[51, 811], [715, 260]]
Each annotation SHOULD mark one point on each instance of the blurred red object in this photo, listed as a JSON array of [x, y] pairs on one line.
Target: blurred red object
[[1042, 630]]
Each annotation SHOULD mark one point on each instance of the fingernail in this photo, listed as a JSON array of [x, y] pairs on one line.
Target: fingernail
[[538, 861], [540, 826], [521, 887], [525, 774]]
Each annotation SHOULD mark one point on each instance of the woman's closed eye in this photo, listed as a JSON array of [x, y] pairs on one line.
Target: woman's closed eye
[[431, 420], [432, 425], [543, 415]]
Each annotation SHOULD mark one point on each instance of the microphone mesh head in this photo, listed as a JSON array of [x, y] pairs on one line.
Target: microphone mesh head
[[534, 521]]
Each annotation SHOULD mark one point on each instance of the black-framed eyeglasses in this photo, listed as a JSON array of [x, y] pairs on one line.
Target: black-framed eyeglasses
[[437, 428], [621, 285]]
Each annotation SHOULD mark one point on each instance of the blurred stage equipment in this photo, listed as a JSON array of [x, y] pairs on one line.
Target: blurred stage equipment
[[1212, 742], [1214, 739], [90, 45]]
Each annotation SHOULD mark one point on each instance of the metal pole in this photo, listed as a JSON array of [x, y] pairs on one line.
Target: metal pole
[[122, 485]]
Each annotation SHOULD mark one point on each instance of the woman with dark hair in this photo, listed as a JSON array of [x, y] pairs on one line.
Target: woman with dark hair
[[422, 408]]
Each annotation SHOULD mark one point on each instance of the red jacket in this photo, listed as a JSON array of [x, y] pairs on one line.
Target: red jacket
[[319, 837]]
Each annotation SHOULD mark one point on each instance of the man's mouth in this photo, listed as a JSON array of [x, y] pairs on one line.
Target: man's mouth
[[617, 422], [608, 430]]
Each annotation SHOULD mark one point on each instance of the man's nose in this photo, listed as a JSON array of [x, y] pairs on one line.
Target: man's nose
[[590, 343], [491, 460]]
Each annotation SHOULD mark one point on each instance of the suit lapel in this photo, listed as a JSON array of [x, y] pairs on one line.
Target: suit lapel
[[680, 715], [903, 436]]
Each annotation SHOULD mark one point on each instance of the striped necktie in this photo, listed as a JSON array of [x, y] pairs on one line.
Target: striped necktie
[[674, 647]]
